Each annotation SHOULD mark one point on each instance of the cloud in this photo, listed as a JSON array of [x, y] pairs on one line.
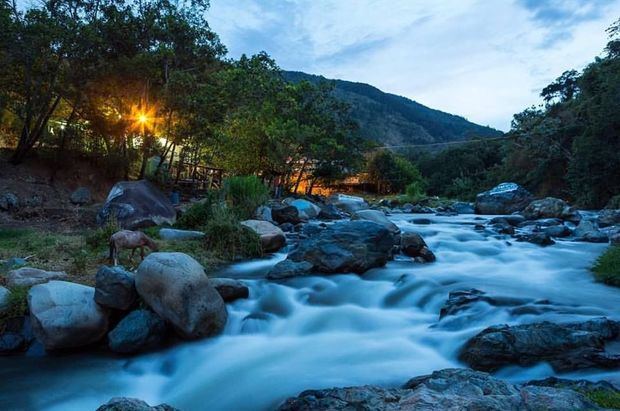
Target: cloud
[[482, 59]]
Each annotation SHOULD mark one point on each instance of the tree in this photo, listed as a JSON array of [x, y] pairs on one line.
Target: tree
[[392, 173]]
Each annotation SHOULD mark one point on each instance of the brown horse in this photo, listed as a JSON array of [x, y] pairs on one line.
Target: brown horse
[[126, 239]]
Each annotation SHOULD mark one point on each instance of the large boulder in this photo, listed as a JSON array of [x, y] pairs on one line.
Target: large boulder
[[176, 287], [348, 246], [413, 245], [137, 204], [346, 203], [378, 217], [138, 331], [132, 404], [272, 238], [307, 207], [81, 196], [65, 315], [608, 218], [230, 289], [115, 288], [286, 214], [551, 207], [173, 234], [566, 347], [589, 232], [28, 276], [329, 212], [505, 198], [448, 389]]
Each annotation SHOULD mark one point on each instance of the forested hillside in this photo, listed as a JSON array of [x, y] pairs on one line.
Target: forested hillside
[[394, 120]]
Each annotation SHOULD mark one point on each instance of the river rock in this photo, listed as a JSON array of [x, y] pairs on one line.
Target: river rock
[[538, 238], [378, 217], [413, 245], [286, 214], [140, 330], [551, 207], [81, 196], [608, 218], [263, 213], [307, 207], [587, 231], [448, 389], [421, 221], [173, 234], [557, 231], [569, 346], [329, 212], [514, 220], [348, 204], [8, 202], [271, 237], [115, 288], [132, 404], [137, 204], [599, 388], [230, 289], [65, 315], [28, 276], [4, 299], [505, 198], [176, 287], [463, 208], [12, 343], [288, 269], [347, 246]]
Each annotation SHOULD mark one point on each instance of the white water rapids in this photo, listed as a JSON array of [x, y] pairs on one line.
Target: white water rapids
[[315, 332]]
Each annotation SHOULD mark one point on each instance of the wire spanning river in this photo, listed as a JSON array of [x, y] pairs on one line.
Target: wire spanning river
[[315, 332]]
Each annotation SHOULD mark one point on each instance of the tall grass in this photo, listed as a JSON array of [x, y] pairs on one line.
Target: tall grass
[[244, 194]]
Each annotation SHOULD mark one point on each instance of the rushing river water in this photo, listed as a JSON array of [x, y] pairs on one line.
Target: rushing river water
[[314, 332]]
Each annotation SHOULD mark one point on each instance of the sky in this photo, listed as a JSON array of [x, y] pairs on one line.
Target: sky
[[482, 59]]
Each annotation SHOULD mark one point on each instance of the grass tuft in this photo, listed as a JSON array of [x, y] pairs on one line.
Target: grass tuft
[[607, 267]]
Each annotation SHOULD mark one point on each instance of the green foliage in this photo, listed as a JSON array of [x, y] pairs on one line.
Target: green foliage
[[100, 237], [392, 173], [605, 398], [228, 239], [614, 203], [17, 305], [244, 194], [414, 192], [199, 213], [607, 267]]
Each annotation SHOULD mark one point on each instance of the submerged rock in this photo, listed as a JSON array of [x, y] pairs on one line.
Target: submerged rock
[[230, 289], [542, 239], [566, 347], [413, 245], [28, 276], [65, 315], [271, 237], [176, 287], [132, 404], [551, 207], [137, 204], [505, 198], [448, 389], [115, 288], [348, 246], [138, 331]]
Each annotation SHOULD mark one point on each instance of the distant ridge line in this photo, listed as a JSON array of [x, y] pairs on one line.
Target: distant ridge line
[[444, 143]]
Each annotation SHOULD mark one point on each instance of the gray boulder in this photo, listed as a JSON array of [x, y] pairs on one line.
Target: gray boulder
[[608, 218], [307, 207], [65, 315], [263, 213], [230, 289], [115, 288], [137, 204], [538, 238], [28, 276], [329, 212], [551, 207], [557, 231], [176, 287], [587, 231], [132, 404], [348, 204], [569, 346], [272, 238], [463, 208], [8, 202], [505, 198], [286, 214], [140, 330], [413, 245], [289, 268], [81, 196], [348, 246], [448, 389], [378, 217], [173, 234]]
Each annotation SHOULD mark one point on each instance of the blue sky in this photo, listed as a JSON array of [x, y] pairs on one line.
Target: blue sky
[[482, 59]]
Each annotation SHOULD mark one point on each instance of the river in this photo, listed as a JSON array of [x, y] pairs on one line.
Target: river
[[316, 332]]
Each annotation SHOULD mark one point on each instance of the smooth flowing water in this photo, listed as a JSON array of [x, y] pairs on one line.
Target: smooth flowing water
[[315, 332]]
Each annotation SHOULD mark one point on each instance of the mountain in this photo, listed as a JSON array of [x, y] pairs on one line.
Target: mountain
[[393, 120]]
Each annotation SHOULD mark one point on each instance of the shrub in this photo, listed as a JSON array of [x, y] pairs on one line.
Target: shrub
[[101, 236], [228, 239], [607, 267], [200, 213], [16, 306], [614, 203], [244, 194], [414, 192]]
